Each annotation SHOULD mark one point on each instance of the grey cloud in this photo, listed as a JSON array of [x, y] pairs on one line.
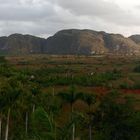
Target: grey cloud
[[21, 12], [108, 11], [45, 17], [89, 7]]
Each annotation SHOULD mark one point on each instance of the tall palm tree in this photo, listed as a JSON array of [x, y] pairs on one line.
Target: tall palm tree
[[0, 127], [70, 97], [35, 91], [10, 92], [89, 99], [26, 96], [25, 107], [1, 108], [52, 105], [4, 90]]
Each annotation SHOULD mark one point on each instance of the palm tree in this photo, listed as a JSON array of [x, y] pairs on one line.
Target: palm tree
[[89, 99], [1, 108], [25, 98], [25, 107], [0, 127], [49, 107], [28, 97], [3, 104], [35, 91], [70, 97], [30, 100], [9, 94], [52, 105]]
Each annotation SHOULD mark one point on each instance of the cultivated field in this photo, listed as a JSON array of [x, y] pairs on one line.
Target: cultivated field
[[70, 97], [88, 73]]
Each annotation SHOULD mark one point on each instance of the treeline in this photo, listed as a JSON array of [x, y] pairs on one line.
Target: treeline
[[56, 76]]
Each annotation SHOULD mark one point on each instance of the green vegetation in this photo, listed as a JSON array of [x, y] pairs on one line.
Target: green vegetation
[[58, 102], [137, 69]]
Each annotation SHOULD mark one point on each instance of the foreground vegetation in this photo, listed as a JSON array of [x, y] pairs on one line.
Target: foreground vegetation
[[56, 99]]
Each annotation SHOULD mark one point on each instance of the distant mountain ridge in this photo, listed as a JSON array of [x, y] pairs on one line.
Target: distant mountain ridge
[[71, 41], [21, 44], [135, 38]]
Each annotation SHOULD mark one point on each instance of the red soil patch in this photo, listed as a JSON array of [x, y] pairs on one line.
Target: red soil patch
[[102, 90], [131, 91]]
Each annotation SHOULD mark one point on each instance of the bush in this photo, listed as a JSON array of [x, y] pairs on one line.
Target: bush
[[137, 69], [2, 60]]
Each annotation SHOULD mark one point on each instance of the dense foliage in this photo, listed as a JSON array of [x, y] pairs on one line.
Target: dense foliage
[[28, 112]]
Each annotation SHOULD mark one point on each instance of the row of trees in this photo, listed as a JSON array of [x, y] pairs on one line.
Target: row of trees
[[92, 79], [30, 114]]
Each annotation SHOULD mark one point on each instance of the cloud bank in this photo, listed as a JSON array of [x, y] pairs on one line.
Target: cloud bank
[[45, 17]]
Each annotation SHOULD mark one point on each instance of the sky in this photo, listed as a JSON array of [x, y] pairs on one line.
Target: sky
[[45, 17]]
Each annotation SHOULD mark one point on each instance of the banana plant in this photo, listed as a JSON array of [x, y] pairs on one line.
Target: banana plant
[[43, 125]]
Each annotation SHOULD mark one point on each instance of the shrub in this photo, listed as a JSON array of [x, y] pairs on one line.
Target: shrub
[[137, 69]]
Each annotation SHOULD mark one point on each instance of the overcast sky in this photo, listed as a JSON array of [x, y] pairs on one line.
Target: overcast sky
[[45, 17]]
